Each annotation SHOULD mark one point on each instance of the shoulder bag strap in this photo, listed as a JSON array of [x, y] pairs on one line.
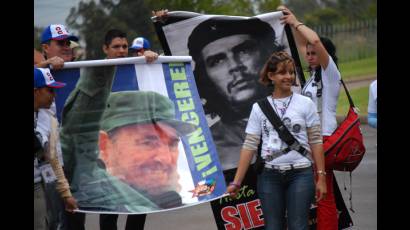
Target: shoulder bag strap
[[283, 132], [347, 93]]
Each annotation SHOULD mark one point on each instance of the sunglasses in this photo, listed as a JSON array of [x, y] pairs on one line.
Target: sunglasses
[[63, 43]]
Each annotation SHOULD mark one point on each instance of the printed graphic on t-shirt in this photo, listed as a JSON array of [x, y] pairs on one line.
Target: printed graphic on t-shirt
[[287, 122], [296, 128]]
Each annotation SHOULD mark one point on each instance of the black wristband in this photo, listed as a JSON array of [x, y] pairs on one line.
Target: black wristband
[[235, 184], [300, 24]]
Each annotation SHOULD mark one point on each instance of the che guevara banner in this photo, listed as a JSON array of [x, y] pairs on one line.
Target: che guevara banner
[[134, 136], [228, 53]]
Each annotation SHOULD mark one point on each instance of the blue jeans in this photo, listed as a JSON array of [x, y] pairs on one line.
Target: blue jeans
[[292, 191]]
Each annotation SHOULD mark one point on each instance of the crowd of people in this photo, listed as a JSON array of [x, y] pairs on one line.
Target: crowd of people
[[54, 207], [250, 68]]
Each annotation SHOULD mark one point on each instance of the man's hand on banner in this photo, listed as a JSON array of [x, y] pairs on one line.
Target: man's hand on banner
[[281, 7], [289, 17], [233, 189], [55, 62], [70, 204], [150, 56]]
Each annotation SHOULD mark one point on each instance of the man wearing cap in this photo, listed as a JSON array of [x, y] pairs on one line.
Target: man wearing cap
[[138, 143], [228, 56], [139, 46], [56, 47], [55, 42], [47, 168]]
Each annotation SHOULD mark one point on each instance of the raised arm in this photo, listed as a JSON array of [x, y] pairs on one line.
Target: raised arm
[[81, 115], [304, 36]]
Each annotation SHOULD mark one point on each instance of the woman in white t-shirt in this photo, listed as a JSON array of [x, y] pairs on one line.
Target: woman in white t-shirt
[[286, 185], [323, 88]]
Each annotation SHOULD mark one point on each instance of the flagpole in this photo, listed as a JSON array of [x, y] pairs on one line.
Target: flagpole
[[124, 61]]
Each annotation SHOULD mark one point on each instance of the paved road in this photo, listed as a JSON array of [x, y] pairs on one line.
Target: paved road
[[364, 186], [358, 83]]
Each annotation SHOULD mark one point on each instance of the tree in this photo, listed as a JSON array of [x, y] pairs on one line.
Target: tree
[[356, 9], [302, 7], [323, 16], [314, 12], [92, 20], [224, 7], [265, 6]]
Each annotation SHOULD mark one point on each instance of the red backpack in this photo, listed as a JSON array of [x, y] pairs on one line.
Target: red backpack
[[344, 149]]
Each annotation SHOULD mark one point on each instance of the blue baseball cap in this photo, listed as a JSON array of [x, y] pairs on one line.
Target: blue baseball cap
[[56, 32], [139, 43], [43, 78]]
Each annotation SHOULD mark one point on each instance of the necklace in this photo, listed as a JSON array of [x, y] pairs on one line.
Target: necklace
[[283, 105]]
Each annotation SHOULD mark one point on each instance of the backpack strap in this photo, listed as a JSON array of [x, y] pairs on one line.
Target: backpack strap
[[317, 81], [347, 93], [283, 132]]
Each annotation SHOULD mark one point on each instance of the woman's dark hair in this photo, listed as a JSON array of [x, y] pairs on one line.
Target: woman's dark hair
[[331, 50]]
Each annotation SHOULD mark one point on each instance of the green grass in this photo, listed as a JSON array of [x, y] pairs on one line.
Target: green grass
[[360, 98], [358, 68], [355, 69]]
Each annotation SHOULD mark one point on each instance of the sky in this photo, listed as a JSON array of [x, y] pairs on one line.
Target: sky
[[48, 12]]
